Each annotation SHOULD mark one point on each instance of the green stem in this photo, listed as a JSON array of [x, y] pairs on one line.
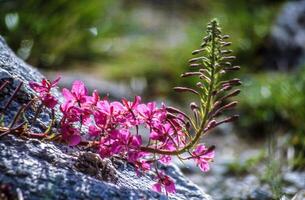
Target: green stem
[[38, 111], [49, 129], [199, 133], [20, 111]]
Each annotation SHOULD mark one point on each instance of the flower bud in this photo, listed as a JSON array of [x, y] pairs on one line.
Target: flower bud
[[197, 51], [194, 106], [185, 89], [232, 68], [225, 37], [187, 74]]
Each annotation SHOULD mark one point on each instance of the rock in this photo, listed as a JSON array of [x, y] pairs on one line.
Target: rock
[[299, 195], [284, 198], [285, 49], [31, 169], [45, 171], [248, 187], [296, 179]]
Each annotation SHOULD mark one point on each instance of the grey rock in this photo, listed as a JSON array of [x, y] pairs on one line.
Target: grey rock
[[286, 46], [284, 198], [45, 171], [299, 195], [247, 187], [32, 169], [295, 178]]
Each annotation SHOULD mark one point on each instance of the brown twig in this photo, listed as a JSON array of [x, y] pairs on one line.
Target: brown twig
[[3, 85], [12, 97]]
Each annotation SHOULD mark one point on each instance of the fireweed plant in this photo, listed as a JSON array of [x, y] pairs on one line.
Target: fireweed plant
[[112, 128]]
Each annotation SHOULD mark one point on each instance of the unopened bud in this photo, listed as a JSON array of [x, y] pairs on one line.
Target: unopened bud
[[185, 89], [232, 68], [197, 51], [225, 44], [210, 125], [225, 37], [195, 65], [199, 84], [194, 106], [187, 74]]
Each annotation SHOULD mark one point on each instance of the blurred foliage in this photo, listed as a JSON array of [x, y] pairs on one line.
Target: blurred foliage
[[48, 33], [166, 33], [147, 38], [275, 100], [272, 174], [240, 168]]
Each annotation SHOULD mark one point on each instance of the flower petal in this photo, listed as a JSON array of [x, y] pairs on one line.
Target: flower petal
[[79, 88], [157, 187], [74, 140], [55, 82]]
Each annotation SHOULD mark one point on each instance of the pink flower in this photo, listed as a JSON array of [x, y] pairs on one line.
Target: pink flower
[[48, 100], [164, 182], [151, 114], [142, 165], [104, 148], [130, 114], [109, 109], [74, 139], [45, 86], [107, 115], [125, 141], [138, 159], [77, 100], [165, 159], [101, 120], [132, 105], [44, 90], [203, 156], [147, 110], [92, 100], [161, 132], [94, 131], [115, 126], [89, 107], [78, 93], [70, 134], [70, 113]]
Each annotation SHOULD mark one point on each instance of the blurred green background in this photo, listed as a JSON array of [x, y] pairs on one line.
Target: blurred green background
[[152, 40]]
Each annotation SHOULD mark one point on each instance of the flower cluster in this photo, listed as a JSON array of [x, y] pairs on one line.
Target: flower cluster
[[145, 134], [118, 129], [44, 90]]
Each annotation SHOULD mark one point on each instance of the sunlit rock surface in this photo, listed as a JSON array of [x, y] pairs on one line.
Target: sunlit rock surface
[[45, 171]]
